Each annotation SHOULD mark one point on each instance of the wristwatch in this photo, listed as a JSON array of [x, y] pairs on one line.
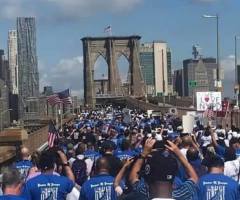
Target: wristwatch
[[141, 156]]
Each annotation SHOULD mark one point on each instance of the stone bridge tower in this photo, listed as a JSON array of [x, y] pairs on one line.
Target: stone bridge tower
[[111, 48]]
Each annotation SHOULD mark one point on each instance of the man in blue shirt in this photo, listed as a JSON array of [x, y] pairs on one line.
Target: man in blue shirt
[[99, 187], [215, 185], [11, 185], [47, 185], [24, 164], [126, 151], [91, 153]]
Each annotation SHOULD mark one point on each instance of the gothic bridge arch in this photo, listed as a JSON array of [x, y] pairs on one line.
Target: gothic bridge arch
[[111, 48]]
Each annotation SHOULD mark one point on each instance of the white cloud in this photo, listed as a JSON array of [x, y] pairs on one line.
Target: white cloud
[[78, 93], [228, 63], [10, 9], [68, 73], [63, 9]]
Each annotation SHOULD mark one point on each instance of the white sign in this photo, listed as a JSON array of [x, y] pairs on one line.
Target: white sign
[[149, 112], [209, 99], [188, 123]]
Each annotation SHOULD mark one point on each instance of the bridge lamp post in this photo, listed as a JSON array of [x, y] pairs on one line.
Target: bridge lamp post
[[236, 72], [145, 82], [1, 115], [218, 83]]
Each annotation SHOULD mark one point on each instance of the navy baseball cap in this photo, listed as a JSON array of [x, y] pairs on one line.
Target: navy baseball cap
[[160, 167]]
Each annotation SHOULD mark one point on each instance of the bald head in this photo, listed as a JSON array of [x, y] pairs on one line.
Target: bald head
[[186, 141], [25, 153], [102, 165]]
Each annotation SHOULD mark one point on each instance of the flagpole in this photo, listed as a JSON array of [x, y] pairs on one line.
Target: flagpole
[[47, 109], [56, 113], [61, 110], [72, 101]]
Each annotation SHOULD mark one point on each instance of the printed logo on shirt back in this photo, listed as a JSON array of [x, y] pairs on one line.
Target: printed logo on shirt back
[[215, 190], [103, 191], [49, 191], [23, 170]]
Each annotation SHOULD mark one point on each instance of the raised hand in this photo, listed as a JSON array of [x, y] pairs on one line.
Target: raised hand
[[148, 146]]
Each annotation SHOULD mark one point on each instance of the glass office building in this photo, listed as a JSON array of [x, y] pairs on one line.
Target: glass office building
[[28, 76], [155, 61]]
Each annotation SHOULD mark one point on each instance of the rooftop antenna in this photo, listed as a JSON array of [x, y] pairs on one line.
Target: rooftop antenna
[[196, 51]]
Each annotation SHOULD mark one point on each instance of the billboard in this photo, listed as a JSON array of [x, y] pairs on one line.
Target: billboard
[[206, 100]]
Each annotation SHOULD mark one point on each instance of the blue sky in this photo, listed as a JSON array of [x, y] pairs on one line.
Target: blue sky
[[62, 23]]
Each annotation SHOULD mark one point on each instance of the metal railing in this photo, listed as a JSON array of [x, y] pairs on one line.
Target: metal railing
[[108, 95]]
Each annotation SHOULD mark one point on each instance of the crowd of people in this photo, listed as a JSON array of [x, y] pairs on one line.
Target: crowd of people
[[112, 154]]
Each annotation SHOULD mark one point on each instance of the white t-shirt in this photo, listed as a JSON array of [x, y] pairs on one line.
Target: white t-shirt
[[75, 135], [88, 162], [231, 169], [71, 160], [74, 194], [184, 152]]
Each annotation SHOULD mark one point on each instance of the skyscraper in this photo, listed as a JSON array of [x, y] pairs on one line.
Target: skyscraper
[[4, 68], [12, 59], [28, 77], [147, 67], [155, 60], [202, 72], [178, 82], [2, 64]]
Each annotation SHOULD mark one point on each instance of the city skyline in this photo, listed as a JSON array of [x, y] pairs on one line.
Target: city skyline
[[58, 36]]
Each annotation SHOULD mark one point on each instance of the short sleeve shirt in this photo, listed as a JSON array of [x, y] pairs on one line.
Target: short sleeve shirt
[[23, 167], [47, 186], [217, 186], [99, 187], [185, 191], [123, 155]]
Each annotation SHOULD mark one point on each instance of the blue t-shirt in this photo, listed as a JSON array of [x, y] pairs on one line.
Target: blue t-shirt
[[238, 153], [220, 150], [123, 155], [91, 154], [47, 186], [99, 187], [23, 167], [217, 186], [11, 197]]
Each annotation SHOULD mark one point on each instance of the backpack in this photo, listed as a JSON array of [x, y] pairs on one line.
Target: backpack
[[79, 168]]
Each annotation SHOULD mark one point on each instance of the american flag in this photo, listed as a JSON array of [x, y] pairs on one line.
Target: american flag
[[52, 134], [65, 97], [209, 113], [60, 97], [53, 99], [108, 30]]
